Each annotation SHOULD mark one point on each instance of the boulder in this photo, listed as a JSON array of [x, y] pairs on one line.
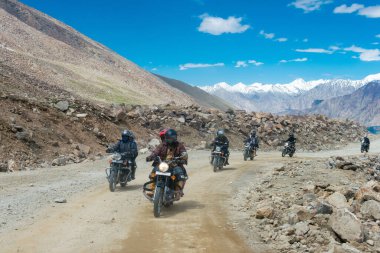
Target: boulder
[[302, 228], [338, 200], [62, 105], [371, 209], [370, 191], [143, 151], [83, 148], [346, 225], [23, 136], [323, 208], [60, 200], [345, 248], [12, 166], [265, 212], [60, 161], [81, 115], [154, 143]]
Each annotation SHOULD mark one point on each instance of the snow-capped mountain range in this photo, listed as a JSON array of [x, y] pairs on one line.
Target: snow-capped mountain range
[[295, 96]]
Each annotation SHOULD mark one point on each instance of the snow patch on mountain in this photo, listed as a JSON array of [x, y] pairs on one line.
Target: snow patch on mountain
[[298, 86]]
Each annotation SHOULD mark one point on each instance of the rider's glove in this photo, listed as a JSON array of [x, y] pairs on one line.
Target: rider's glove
[[148, 159]]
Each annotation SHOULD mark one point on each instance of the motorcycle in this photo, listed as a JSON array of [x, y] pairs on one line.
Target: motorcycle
[[119, 172], [166, 182], [364, 147], [288, 149], [249, 151], [218, 159]]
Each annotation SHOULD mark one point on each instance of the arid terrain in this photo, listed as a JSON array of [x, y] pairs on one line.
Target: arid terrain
[[217, 214]]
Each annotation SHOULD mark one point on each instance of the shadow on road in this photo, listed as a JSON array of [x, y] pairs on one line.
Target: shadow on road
[[130, 187], [181, 207], [227, 168]]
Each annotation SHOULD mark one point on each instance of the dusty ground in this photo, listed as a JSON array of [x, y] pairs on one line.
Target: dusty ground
[[95, 220]]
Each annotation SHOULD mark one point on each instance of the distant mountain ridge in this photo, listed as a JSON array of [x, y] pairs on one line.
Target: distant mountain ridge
[[296, 96], [362, 105]]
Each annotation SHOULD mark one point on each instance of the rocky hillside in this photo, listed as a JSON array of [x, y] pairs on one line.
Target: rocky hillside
[[40, 55], [201, 97], [64, 130], [362, 105], [324, 205]]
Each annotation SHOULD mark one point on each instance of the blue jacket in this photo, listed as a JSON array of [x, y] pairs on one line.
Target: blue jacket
[[128, 148]]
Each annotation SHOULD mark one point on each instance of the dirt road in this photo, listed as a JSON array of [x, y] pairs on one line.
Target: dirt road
[[96, 220]]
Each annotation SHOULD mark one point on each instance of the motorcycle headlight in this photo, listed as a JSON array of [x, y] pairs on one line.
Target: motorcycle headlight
[[218, 149], [163, 167], [116, 156]]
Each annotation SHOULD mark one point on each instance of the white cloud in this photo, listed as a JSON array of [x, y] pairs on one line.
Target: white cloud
[[282, 39], [348, 9], [267, 35], [154, 69], [370, 12], [310, 5], [365, 54], [218, 26], [256, 63], [294, 60], [375, 43], [378, 36], [334, 48], [306, 40], [241, 64], [199, 65], [314, 50]]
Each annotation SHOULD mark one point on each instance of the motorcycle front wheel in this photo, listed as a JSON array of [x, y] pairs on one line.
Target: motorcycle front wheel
[[112, 180], [157, 202], [215, 163], [283, 153]]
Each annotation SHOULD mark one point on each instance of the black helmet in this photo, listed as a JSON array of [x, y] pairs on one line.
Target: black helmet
[[291, 135], [220, 133], [170, 136], [126, 135], [253, 132]]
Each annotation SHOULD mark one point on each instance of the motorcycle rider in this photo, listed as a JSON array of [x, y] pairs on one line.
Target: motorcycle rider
[[221, 140], [292, 140], [169, 149], [253, 141], [366, 141], [127, 147]]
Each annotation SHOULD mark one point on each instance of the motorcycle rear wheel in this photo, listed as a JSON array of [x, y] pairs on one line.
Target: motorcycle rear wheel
[[157, 202]]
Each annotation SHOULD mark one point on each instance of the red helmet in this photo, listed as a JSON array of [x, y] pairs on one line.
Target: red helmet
[[163, 132]]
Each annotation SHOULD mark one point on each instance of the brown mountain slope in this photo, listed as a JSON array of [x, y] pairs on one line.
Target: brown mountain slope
[[34, 46], [362, 105]]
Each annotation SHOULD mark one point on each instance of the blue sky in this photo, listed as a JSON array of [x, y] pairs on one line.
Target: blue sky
[[204, 42]]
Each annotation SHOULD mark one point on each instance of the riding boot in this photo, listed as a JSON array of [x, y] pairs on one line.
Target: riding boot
[[133, 172], [226, 163]]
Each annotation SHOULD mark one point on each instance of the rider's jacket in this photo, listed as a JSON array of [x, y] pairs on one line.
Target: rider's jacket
[[166, 152], [366, 140], [222, 141], [253, 141], [129, 149], [292, 140]]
